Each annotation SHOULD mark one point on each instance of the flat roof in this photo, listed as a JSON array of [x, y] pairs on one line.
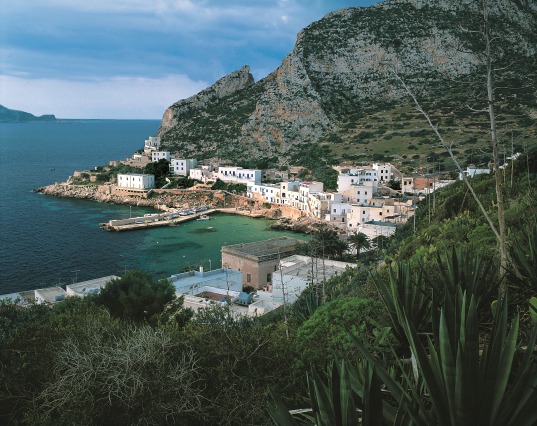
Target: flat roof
[[300, 266], [49, 294], [192, 278], [86, 286], [263, 250]]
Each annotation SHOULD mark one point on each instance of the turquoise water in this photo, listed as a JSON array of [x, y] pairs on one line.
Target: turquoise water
[[167, 250], [47, 240]]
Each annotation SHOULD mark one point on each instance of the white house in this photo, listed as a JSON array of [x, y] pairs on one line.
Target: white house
[[200, 174], [358, 185], [472, 171], [305, 189], [239, 175], [266, 192], [290, 193], [152, 144], [156, 156], [182, 166], [379, 210], [386, 172], [135, 181], [337, 214]]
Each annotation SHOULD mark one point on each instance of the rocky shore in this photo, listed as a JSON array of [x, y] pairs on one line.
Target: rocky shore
[[182, 199], [160, 199]]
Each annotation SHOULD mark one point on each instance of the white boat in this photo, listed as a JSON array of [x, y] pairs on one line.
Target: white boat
[[203, 217]]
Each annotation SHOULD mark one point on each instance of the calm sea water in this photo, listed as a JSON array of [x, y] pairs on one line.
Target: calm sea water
[[47, 241]]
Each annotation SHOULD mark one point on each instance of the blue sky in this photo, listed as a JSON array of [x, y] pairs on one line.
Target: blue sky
[[134, 58]]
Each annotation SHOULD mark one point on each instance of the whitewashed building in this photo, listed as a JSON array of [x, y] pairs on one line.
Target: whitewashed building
[[337, 214], [306, 189], [266, 192], [135, 181], [386, 172], [156, 156], [201, 174], [182, 166], [290, 193], [152, 144], [379, 210], [358, 186], [472, 171], [239, 175]]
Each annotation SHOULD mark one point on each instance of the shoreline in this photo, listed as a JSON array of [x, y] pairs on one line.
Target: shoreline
[[164, 199]]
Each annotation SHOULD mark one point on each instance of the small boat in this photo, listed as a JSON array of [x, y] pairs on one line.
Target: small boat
[[203, 217]]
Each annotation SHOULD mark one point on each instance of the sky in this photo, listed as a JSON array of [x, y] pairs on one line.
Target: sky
[[131, 59]]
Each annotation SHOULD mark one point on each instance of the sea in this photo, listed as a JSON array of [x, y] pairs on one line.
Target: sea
[[47, 241]]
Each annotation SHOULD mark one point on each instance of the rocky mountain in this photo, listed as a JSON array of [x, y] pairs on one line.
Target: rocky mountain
[[337, 96], [13, 116]]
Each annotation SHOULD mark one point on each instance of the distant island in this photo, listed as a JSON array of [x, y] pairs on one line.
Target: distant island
[[13, 116]]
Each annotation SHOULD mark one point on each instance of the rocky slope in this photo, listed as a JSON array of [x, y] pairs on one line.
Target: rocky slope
[[338, 86]]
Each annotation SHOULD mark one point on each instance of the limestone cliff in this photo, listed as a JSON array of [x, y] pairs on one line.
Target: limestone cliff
[[341, 73]]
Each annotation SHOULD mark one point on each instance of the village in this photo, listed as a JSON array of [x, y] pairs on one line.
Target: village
[[372, 199], [256, 278]]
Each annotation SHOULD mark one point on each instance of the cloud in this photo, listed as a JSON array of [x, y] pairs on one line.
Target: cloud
[[93, 46], [117, 97]]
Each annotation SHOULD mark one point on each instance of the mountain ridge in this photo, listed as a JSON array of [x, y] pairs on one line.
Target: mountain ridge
[[327, 91]]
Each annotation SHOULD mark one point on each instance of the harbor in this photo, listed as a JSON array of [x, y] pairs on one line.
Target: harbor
[[169, 218]]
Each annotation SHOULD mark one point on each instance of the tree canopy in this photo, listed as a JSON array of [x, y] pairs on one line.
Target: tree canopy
[[136, 296]]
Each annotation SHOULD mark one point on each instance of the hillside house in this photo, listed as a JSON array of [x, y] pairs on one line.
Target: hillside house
[[183, 166]]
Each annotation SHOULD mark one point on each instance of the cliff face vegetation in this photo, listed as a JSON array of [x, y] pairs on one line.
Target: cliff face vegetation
[[338, 89]]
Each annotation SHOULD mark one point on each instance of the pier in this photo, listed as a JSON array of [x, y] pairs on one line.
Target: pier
[[170, 218]]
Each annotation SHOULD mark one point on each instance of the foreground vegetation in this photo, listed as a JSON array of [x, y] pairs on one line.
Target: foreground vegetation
[[423, 340]]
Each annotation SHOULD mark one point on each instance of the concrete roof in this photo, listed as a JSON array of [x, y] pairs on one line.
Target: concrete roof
[[49, 294], [300, 266], [89, 287], [263, 250], [196, 279]]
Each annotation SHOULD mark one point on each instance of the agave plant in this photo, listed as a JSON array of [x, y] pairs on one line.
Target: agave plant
[[344, 396], [462, 386], [524, 259], [405, 296], [468, 271]]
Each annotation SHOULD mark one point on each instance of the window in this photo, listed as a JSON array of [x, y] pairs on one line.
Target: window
[[275, 268], [380, 213], [269, 277], [248, 278]]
